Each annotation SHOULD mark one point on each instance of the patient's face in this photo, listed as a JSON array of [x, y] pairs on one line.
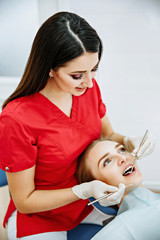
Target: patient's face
[[108, 161]]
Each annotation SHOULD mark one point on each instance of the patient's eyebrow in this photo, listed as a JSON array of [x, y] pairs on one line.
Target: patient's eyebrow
[[106, 154], [118, 145]]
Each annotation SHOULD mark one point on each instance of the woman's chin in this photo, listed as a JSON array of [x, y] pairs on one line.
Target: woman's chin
[[135, 178], [134, 183]]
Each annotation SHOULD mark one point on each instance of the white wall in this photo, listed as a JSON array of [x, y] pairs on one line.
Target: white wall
[[19, 21], [129, 72], [129, 75]]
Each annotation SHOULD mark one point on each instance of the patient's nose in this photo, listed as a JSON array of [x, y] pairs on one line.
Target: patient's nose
[[121, 160]]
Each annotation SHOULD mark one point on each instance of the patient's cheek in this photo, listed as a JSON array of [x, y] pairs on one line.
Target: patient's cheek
[[139, 178], [131, 158]]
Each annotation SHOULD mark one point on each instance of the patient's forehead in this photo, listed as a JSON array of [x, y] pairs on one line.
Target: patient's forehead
[[100, 149]]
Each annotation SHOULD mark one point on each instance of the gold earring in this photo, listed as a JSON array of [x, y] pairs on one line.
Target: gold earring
[[50, 75]]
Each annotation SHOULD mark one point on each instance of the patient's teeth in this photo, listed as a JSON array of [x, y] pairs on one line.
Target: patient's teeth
[[128, 170]]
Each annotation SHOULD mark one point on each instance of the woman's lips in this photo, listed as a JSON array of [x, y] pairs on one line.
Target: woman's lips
[[130, 174], [128, 165], [80, 89]]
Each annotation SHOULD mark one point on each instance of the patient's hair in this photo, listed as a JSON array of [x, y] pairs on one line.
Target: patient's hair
[[83, 173]]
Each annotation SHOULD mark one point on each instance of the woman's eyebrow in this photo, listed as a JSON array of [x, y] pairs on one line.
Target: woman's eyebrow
[[118, 145], [79, 71], [86, 70], [105, 155]]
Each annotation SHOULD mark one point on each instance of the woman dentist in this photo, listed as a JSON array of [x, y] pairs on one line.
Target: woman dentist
[[53, 115]]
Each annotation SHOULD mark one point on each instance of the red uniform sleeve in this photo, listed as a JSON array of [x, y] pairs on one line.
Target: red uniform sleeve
[[18, 150], [102, 107]]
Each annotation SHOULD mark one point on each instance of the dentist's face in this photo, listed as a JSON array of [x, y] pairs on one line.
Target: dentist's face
[[76, 76], [109, 162]]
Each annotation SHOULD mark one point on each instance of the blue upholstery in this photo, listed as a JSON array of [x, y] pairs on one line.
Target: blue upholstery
[[87, 231], [107, 210], [3, 179], [83, 232]]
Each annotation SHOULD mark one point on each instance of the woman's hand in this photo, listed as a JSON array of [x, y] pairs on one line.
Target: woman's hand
[[97, 189], [132, 144]]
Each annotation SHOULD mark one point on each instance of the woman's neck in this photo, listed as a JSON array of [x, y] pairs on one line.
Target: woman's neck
[[128, 189], [53, 93], [62, 100]]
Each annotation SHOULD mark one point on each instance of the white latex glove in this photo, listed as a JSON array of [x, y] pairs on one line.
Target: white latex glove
[[97, 189], [115, 198], [132, 144]]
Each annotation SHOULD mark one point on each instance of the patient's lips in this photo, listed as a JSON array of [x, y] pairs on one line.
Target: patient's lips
[[129, 169]]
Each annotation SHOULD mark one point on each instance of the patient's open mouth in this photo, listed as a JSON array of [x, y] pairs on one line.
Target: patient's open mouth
[[128, 170]]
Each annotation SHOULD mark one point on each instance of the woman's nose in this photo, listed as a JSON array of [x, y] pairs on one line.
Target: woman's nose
[[122, 160], [88, 82]]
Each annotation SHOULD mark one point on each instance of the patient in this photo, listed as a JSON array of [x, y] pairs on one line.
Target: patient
[[138, 216]]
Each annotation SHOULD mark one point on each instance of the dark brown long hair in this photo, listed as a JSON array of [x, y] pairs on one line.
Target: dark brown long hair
[[61, 38]]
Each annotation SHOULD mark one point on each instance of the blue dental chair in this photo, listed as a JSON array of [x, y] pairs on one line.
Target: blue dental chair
[[87, 231], [3, 178], [83, 231]]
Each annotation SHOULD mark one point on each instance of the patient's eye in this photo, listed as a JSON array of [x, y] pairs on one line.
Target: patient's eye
[[122, 150], [106, 162]]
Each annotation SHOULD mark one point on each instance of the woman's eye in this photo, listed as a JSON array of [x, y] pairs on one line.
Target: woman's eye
[[122, 150], [95, 69], [77, 76], [106, 162]]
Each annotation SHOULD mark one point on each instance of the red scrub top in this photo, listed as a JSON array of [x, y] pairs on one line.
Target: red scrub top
[[34, 131]]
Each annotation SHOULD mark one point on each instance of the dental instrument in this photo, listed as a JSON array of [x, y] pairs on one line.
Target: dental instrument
[[136, 157], [105, 196]]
